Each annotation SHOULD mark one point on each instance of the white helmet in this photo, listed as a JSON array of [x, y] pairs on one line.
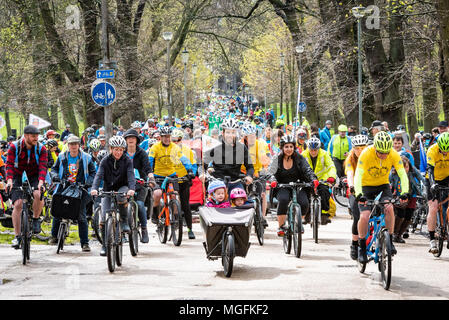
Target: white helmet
[[230, 124], [117, 142], [359, 140]]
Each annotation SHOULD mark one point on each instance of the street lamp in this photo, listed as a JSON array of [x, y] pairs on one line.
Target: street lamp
[[282, 63], [194, 71], [185, 59], [168, 36], [359, 13], [299, 50]]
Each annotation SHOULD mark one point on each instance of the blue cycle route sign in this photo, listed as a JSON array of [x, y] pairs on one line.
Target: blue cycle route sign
[[105, 74], [302, 107], [103, 93]]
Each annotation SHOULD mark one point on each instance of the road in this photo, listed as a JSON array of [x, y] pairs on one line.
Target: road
[[324, 271]]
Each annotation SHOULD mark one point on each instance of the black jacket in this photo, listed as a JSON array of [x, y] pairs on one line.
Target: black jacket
[[141, 162], [305, 172], [227, 160], [115, 174]]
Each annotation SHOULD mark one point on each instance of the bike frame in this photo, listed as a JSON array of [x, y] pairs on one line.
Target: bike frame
[[166, 193]]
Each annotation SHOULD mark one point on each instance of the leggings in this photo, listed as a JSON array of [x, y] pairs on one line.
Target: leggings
[[284, 196], [355, 214], [184, 196]]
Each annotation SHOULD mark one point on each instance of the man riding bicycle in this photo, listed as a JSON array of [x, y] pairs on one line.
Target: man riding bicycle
[[26, 155], [437, 175], [371, 178]]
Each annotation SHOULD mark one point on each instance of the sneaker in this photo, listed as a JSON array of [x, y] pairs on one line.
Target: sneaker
[[144, 238], [191, 235], [125, 226], [362, 257], [281, 232], [433, 246], [397, 238], [86, 247], [265, 223], [325, 219], [53, 241], [16, 242], [393, 249], [103, 251], [36, 226], [405, 235], [354, 252], [154, 220]]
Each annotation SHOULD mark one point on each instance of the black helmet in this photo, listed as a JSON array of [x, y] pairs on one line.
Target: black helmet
[[10, 138], [52, 143]]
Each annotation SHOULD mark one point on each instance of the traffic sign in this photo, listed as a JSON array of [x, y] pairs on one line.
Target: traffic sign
[[103, 93], [302, 107], [105, 74]]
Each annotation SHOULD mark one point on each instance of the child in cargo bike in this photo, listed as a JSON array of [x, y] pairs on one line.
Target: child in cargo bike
[[218, 195]]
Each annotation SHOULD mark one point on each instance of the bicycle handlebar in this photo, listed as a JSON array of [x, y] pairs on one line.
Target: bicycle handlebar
[[295, 185]]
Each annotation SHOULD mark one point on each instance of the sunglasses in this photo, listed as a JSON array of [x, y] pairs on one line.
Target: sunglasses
[[383, 154]]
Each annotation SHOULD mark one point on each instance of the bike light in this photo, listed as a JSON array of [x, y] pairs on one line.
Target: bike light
[[274, 184]]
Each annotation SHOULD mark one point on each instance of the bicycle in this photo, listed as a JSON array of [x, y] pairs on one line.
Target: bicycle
[[171, 214], [133, 213], [378, 248], [294, 228], [419, 217], [441, 231], [113, 231], [339, 192], [257, 200]]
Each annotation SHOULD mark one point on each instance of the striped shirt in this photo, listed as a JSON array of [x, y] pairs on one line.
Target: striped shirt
[[27, 162]]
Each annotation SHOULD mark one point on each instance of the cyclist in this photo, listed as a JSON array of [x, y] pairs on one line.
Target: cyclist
[[437, 175], [117, 173], [289, 166], [73, 166], [142, 170], [323, 167], [94, 147], [26, 155], [325, 134], [53, 152], [359, 143], [164, 159], [184, 187], [302, 137], [339, 148], [371, 178]]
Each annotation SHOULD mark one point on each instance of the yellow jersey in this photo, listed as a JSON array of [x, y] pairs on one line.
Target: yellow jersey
[[164, 160], [259, 159], [189, 154], [439, 161]]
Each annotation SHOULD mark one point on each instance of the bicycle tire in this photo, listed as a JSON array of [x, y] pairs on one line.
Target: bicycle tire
[[61, 237], [25, 230], [340, 196], [162, 230], [176, 222], [287, 239], [258, 221], [441, 236], [229, 253], [110, 243], [316, 219], [95, 223], [297, 231], [134, 234], [385, 259]]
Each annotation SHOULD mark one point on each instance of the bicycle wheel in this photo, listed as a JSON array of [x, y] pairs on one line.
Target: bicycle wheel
[[228, 254], [287, 239], [176, 221], [134, 235], [385, 259], [258, 221], [61, 237], [297, 231], [25, 230], [441, 236], [96, 224], [119, 251], [316, 210], [110, 243], [415, 220], [339, 195], [162, 230]]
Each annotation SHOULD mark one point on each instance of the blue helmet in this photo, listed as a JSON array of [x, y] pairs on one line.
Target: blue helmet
[[214, 185]]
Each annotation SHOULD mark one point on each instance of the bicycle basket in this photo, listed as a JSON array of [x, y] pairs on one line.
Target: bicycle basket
[[67, 204]]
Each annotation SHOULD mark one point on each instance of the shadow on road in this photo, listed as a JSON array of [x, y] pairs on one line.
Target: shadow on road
[[415, 289], [250, 273]]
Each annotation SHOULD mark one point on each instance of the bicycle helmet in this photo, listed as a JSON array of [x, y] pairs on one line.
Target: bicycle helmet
[[238, 193], [443, 142], [165, 131], [50, 132], [214, 185], [302, 134], [342, 128], [383, 142], [313, 143], [151, 141], [94, 145], [117, 142], [287, 139], [52, 143], [359, 140], [177, 134], [102, 154], [427, 136], [136, 125], [229, 124], [248, 130]]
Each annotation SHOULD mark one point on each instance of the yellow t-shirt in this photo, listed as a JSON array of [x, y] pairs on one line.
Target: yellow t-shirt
[[440, 162], [259, 159], [165, 159], [187, 152], [375, 172]]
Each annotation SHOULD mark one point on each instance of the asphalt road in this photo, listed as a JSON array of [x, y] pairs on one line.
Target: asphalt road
[[324, 271]]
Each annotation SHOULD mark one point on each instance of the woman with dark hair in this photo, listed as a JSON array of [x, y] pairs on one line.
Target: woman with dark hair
[[289, 166]]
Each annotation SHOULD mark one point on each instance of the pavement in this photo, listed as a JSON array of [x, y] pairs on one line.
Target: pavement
[[163, 271]]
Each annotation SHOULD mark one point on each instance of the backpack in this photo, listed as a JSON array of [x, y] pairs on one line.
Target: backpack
[[18, 146]]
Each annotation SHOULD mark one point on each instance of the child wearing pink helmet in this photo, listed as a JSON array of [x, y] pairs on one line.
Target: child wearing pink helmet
[[238, 197]]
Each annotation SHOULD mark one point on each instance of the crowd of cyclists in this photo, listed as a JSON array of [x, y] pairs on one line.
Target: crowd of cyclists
[[248, 142]]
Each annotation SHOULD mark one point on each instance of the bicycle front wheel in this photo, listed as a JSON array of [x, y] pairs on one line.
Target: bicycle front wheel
[[258, 221], [61, 237], [316, 207], [297, 231], [228, 254], [385, 259], [96, 224], [176, 221], [287, 239], [25, 230], [339, 195], [110, 243], [161, 229], [134, 235]]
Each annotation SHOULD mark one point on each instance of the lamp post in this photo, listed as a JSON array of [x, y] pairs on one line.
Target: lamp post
[[194, 71], [299, 50], [185, 59], [359, 13], [265, 90], [168, 36], [282, 63]]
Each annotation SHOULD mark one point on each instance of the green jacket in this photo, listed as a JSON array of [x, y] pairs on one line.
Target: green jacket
[[338, 147]]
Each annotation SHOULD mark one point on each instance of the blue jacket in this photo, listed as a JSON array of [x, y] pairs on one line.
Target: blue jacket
[[325, 137]]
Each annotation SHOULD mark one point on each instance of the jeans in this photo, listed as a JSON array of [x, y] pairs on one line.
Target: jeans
[[141, 195], [122, 205]]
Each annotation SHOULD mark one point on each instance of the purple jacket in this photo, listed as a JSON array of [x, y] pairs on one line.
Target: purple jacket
[[224, 204]]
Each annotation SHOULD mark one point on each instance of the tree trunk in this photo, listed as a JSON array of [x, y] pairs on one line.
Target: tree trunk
[[443, 19]]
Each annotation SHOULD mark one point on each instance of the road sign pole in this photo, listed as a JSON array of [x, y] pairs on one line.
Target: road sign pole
[[104, 31]]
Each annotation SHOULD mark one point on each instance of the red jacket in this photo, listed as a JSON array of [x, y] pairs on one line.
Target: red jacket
[[27, 162]]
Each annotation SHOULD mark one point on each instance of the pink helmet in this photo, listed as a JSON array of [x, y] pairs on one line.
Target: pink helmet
[[238, 193]]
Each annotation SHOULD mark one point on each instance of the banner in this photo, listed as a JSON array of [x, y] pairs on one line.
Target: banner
[[38, 122]]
